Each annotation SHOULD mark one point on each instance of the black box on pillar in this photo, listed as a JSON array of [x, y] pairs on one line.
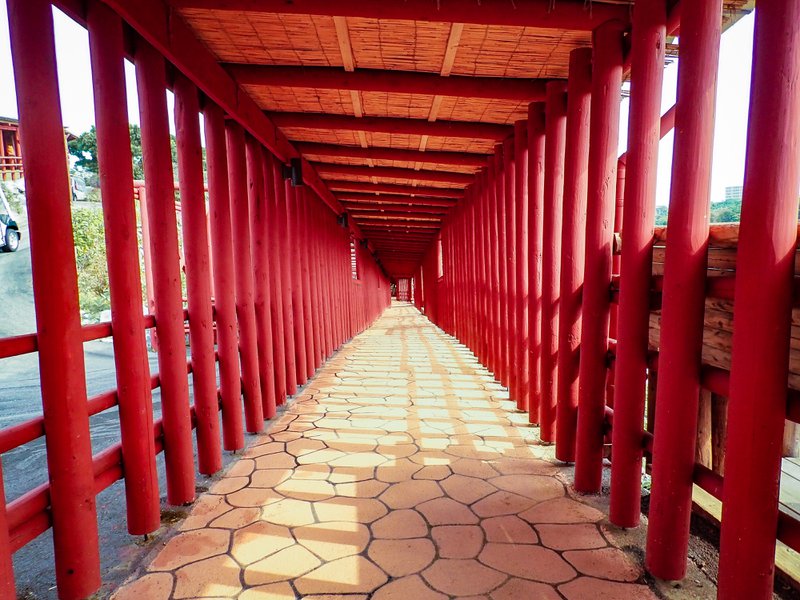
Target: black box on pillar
[[294, 171]]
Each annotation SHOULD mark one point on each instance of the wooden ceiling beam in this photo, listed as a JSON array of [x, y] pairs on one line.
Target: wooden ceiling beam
[[393, 125], [545, 14], [461, 159], [391, 209], [388, 188], [378, 80], [350, 199], [327, 170]]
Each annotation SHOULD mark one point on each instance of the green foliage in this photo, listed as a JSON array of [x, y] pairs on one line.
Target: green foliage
[[727, 211], [84, 149], [90, 255]]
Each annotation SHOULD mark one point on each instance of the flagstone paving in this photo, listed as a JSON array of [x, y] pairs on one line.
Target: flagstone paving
[[401, 472]]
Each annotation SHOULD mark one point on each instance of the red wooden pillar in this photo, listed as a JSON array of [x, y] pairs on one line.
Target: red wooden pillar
[[521, 230], [604, 135], [7, 591], [243, 270], [198, 275], [494, 272], [764, 278], [282, 240], [303, 245], [501, 249], [224, 300], [573, 244], [125, 284], [536, 170], [483, 315], [261, 288], [55, 287], [275, 280], [556, 117], [510, 265], [313, 266], [293, 241], [159, 183], [636, 265], [684, 292]]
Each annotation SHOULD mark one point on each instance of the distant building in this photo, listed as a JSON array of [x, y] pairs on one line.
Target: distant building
[[10, 152], [733, 192]]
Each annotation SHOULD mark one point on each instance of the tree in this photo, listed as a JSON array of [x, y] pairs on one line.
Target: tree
[[84, 149]]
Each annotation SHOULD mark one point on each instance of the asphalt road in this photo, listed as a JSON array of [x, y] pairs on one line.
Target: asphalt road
[[26, 467]]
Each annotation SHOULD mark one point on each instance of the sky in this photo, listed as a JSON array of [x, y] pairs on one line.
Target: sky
[[72, 55]]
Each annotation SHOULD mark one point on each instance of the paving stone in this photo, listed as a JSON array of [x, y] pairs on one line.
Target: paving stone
[[529, 562], [589, 588], [461, 577], [402, 557], [400, 524], [258, 541], [353, 574], [572, 536], [607, 563], [501, 503], [333, 540], [407, 588], [509, 529], [446, 511], [153, 586], [191, 546], [275, 591], [408, 494], [360, 510], [562, 510], [217, 576], [519, 589], [466, 489], [458, 541], [288, 563]]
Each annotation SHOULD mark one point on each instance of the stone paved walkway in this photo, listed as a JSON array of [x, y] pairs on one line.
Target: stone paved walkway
[[399, 473]]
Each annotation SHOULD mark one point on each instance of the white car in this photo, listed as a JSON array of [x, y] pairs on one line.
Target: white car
[[9, 230]]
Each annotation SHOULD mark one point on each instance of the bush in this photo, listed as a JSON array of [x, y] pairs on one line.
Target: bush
[[90, 255]]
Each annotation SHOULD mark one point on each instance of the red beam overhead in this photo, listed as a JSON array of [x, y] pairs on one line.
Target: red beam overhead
[[378, 80], [394, 201], [395, 173], [461, 159], [402, 190], [392, 209], [546, 14], [452, 129]]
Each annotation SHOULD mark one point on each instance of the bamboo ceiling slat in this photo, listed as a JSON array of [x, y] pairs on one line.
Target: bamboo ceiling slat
[[264, 38], [285, 99], [408, 106], [460, 145], [404, 164], [391, 180], [481, 110], [399, 45]]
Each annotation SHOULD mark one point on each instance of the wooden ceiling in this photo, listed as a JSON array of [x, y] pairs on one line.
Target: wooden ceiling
[[397, 103]]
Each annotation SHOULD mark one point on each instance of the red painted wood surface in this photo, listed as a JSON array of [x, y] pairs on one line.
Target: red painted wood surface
[[603, 137], [125, 286], [257, 204], [198, 275], [536, 175], [224, 278], [767, 243], [55, 291], [633, 324], [157, 162], [683, 295], [243, 276], [573, 245], [556, 127]]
